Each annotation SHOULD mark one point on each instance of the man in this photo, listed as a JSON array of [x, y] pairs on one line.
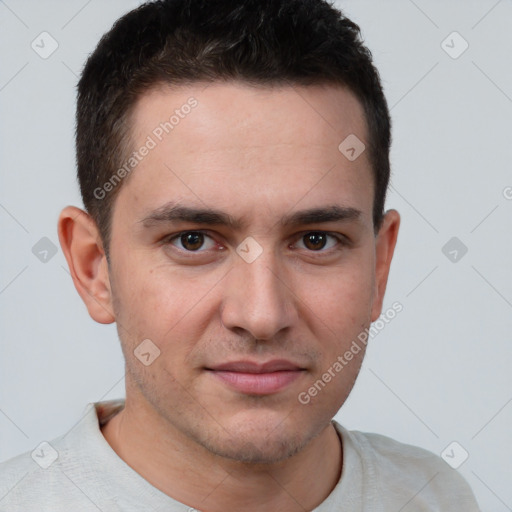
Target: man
[[233, 159]]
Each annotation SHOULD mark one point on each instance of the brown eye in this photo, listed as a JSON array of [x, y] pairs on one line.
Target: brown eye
[[315, 241], [320, 241], [192, 241]]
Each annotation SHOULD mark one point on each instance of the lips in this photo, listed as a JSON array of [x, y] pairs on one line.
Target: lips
[[276, 365], [255, 378]]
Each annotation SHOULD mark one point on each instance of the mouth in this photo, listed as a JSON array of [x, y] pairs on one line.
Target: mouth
[[250, 377]]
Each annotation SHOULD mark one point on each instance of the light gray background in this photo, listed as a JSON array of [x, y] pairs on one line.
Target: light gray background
[[439, 372]]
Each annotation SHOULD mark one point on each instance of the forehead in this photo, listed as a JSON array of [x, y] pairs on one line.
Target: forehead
[[236, 113], [211, 142]]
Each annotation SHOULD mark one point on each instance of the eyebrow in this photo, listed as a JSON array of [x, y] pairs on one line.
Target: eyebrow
[[206, 216], [332, 213]]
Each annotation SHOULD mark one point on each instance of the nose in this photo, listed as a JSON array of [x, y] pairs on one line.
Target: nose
[[257, 298]]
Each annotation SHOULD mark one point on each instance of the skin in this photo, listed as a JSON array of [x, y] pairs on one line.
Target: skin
[[259, 155]]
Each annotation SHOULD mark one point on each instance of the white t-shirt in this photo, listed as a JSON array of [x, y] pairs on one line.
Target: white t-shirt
[[80, 472]]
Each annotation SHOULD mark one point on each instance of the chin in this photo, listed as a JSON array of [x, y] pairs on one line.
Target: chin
[[265, 438], [261, 450]]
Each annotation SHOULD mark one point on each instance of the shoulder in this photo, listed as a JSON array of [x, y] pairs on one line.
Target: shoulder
[[38, 481], [66, 473], [405, 473], [28, 477]]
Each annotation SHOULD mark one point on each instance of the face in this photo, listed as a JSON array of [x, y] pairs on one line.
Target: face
[[243, 248]]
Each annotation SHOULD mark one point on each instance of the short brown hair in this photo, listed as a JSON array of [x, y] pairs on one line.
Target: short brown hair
[[179, 42]]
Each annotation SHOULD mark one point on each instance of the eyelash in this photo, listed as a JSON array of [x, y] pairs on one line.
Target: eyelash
[[342, 241]]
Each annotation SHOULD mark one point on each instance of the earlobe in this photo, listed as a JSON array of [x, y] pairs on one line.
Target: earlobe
[[384, 249], [81, 243]]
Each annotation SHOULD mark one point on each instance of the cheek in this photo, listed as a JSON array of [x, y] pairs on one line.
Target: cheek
[[167, 306], [338, 311], [342, 298]]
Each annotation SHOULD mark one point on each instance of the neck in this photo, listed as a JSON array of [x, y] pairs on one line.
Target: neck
[[192, 475]]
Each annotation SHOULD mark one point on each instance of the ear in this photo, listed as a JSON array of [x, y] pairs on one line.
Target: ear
[[384, 249], [81, 243]]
